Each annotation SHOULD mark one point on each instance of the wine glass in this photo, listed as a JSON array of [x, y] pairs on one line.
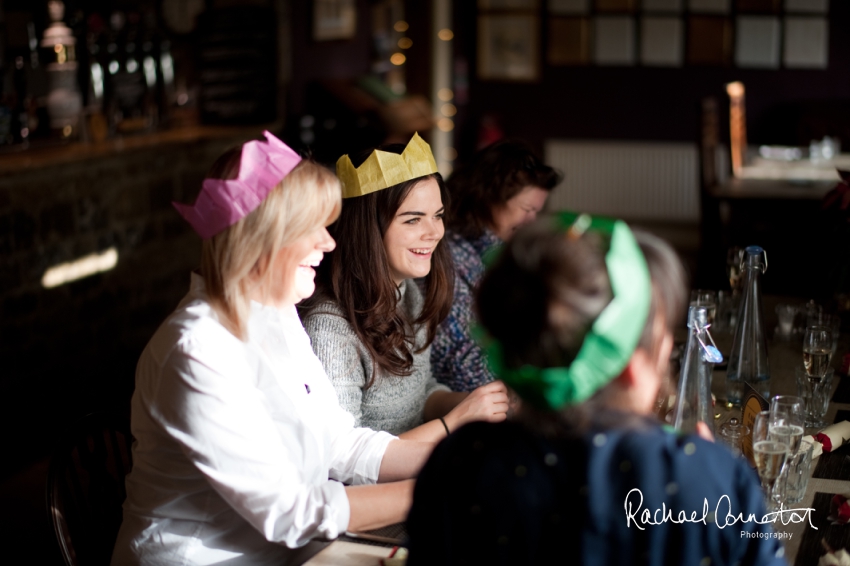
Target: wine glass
[[821, 318], [787, 418], [817, 350], [769, 454]]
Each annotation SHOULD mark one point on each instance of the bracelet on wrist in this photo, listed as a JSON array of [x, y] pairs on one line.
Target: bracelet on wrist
[[445, 426]]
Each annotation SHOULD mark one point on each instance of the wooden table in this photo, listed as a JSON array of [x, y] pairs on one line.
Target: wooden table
[[783, 356], [344, 553], [800, 170], [773, 179], [772, 189]]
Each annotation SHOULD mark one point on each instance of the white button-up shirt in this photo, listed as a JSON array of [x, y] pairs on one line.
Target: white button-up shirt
[[236, 442]]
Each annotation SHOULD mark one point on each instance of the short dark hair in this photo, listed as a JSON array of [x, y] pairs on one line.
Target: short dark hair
[[357, 276], [492, 177], [545, 291]]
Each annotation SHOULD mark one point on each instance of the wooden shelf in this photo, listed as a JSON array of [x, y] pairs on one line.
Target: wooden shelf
[[37, 158]]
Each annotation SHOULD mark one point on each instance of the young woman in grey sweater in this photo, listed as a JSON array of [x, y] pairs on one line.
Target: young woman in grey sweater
[[370, 324]]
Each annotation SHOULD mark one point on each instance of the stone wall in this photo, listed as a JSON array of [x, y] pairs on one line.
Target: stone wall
[[72, 349]]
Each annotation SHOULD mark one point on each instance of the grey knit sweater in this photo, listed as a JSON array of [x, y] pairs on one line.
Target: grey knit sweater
[[393, 403]]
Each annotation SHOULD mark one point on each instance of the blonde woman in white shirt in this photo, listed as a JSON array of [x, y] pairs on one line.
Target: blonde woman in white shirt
[[241, 447]]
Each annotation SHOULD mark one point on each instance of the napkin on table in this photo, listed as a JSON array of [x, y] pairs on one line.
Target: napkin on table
[[833, 436]]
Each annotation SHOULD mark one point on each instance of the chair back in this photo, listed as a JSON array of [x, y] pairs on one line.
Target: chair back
[[85, 487]]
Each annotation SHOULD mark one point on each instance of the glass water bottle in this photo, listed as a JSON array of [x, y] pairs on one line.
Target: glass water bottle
[[748, 359], [693, 397]]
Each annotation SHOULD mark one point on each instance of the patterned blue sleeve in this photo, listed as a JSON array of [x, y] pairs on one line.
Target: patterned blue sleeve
[[456, 359]]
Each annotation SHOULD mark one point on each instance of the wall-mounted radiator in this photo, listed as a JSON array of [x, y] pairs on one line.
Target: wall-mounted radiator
[[637, 181]]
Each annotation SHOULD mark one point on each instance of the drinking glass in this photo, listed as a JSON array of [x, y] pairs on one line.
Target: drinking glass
[[820, 318], [815, 392], [798, 467], [769, 455], [727, 312], [787, 412], [817, 350], [705, 298], [787, 417], [786, 315]]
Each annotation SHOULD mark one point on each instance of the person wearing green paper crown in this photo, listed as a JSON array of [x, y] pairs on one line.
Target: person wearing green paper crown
[[576, 317], [370, 324]]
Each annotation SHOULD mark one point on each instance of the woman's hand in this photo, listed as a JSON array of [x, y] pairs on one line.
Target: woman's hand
[[487, 403]]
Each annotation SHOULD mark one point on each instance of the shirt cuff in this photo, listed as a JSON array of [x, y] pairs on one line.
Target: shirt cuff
[[337, 512], [369, 466]]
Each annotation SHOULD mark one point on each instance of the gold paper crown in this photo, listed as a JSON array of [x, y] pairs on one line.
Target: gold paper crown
[[383, 169]]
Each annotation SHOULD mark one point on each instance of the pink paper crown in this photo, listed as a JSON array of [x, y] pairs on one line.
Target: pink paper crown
[[223, 203]]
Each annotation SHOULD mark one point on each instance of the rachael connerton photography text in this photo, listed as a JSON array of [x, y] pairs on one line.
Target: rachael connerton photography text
[[723, 515]]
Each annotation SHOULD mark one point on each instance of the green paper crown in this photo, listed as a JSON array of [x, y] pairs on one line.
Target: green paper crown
[[609, 344]]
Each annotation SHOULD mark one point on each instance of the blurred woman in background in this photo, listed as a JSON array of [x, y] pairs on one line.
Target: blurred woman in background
[[503, 187]]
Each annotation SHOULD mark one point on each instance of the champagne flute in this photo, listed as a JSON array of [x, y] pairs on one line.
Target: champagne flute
[[787, 418], [821, 318], [818, 343], [817, 350], [769, 455]]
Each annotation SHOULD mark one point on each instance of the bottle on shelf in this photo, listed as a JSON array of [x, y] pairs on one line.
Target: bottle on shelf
[[35, 100], [20, 113], [149, 42], [64, 101], [97, 128], [128, 80]]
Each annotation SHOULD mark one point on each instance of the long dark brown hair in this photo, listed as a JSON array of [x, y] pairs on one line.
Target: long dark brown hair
[[490, 179], [357, 277]]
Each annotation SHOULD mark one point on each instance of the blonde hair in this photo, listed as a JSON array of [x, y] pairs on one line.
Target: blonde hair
[[241, 258]]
